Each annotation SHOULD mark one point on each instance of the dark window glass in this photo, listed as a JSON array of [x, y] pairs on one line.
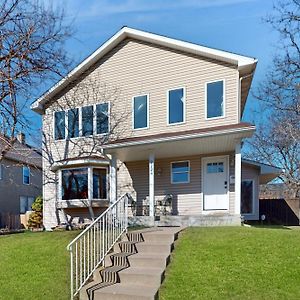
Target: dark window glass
[[99, 184], [180, 172], [87, 120], [215, 101], [247, 197], [60, 125], [73, 123], [102, 118], [26, 175], [75, 184], [176, 106], [140, 111]]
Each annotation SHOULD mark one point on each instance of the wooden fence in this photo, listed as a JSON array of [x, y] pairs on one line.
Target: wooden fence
[[280, 211], [10, 221]]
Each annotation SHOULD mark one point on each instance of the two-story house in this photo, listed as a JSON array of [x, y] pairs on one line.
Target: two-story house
[[20, 177], [152, 116]]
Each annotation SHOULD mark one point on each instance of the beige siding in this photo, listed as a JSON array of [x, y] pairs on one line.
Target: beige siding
[[133, 177]]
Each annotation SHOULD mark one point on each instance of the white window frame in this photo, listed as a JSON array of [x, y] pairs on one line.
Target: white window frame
[[253, 195], [224, 100], [184, 106], [148, 111], [23, 174], [189, 171], [54, 124]]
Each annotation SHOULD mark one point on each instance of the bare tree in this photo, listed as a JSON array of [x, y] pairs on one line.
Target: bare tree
[[32, 37], [277, 140]]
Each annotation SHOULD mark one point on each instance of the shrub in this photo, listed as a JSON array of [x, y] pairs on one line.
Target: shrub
[[36, 217]]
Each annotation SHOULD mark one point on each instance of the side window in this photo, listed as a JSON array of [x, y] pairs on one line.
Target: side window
[[87, 120], [26, 175], [180, 172], [247, 197], [176, 106], [140, 112], [102, 118], [215, 99], [73, 122], [59, 125]]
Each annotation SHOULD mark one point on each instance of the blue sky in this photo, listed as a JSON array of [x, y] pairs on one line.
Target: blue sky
[[232, 25]]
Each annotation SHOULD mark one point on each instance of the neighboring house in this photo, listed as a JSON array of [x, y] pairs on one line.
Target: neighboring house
[[183, 135], [20, 176]]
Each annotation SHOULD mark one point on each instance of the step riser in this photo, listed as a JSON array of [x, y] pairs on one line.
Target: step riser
[[150, 248], [145, 280], [151, 263], [159, 238], [106, 296]]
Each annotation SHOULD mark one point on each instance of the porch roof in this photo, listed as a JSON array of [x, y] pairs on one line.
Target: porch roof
[[185, 143]]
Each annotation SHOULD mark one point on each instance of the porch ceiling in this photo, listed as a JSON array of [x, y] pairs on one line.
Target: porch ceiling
[[181, 145]]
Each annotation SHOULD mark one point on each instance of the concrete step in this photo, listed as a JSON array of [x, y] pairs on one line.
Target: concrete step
[[149, 260], [159, 237], [142, 276], [154, 247], [122, 291]]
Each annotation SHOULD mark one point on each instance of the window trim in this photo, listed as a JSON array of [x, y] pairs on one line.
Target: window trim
[[54, 124], [189, 171], [253, 195], [184, 106], [28, 176], [148, 111], [95, 119], [224, 100]]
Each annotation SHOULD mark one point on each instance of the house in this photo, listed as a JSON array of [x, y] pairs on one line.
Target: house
[[155, 117], [20, 177]]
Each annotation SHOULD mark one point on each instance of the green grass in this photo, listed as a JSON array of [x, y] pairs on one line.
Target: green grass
[[35, 266], [234, 263]]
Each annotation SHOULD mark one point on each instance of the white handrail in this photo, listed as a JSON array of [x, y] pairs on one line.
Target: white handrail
[[89, 248]]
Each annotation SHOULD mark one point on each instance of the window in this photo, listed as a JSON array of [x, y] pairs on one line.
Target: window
[[75, 184], [1, 171], [247, 197], [59, 125], [25, 204], [176, 106], [99, 184], [140, 112], [215, 99], [26, 175], [216, 167], [87, 120], [180, 172], [73, 122], [102, 118]]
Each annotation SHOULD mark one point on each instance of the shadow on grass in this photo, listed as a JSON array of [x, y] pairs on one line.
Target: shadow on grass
[[268, 226]]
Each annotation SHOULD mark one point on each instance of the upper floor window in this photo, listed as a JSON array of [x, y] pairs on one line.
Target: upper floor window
[[102, 118], [140, 112], [26, 175], [73, 123], [180, 172], [176, 106], [60, 125], [215, 99], [88, 120]]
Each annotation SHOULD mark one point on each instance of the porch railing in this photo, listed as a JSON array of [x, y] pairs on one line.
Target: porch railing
[[89, 248]]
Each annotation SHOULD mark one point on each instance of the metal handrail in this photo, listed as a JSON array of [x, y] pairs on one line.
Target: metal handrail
[[89, 248]]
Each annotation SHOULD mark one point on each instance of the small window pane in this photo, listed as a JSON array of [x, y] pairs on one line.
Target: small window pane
[[180, 172], [75, 184], [87, 120], [216, 167], [140, 111], [73, 123], [180, 177], [99, 184], [215, 101], [102, 118], [59, 120], [247, 197], [176, 106], [26, 175]]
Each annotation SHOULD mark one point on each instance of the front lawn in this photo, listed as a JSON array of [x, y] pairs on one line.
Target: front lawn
[[234, 263], [35, 266]]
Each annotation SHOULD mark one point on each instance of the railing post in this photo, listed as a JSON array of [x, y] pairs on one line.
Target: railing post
[[71, 282]]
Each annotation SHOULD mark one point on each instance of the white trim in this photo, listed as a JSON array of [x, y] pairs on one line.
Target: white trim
[[253, 196], [28, 176], [243, 62], [238, 178], [189, 171], [203, 160], [148, 112], [224, 100], [151, 170], [184, 106]]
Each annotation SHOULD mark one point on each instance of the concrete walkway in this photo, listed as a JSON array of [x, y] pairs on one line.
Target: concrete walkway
[[135, 270]]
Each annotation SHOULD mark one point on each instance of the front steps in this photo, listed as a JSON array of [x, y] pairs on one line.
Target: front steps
[[135, 269]]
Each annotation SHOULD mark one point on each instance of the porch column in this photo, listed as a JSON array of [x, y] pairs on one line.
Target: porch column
[[238, 178], [113, 179], [151, 184]]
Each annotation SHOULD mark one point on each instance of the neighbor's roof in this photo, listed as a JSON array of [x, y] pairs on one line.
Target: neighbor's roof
[[244, 64]]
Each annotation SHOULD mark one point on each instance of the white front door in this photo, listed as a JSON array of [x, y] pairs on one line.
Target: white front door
[[215, 183]]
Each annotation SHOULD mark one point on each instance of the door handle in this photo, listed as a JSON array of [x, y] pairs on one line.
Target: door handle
[[225, 184]]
